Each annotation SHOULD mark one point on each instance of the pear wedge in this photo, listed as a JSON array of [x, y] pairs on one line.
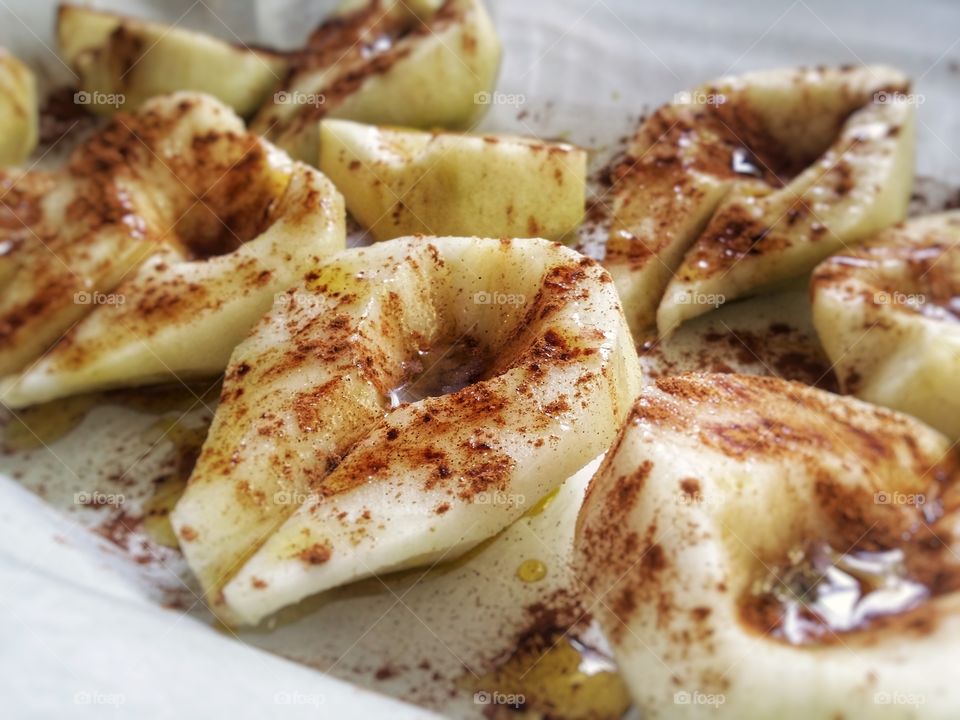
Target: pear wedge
[[215, 223], [403, 182], [311, 477], [425, 64], [122, 62], [888, 315], [755, 548], [18, 110], [748, 181]]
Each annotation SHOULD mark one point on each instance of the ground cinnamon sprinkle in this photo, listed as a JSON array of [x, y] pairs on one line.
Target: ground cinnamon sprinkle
[[316, 554]]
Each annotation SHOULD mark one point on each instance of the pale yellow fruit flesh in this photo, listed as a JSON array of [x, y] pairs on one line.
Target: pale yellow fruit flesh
[[747, 182], [18, 110], [714, 482], [403, 182], [209, 232], [424, 65], [309, 479], [888, 316], [123, 62]]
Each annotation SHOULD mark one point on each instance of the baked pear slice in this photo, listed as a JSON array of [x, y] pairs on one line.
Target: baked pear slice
[[752, 179], [849, 132], [217, 222], [122, 62], [413, 63], [403, 182], [888, 316], [518, 365], [743, 530], [18, 110]]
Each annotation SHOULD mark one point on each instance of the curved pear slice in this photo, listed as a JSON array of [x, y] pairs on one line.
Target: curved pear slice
[[757, 548], [181, 318], [226, 220], [745, 142], [665, 190], [114, 204], [18, 110], [123, 62], [888, 315], [852, 128], [404, 182], [422, 64], [309, 480]]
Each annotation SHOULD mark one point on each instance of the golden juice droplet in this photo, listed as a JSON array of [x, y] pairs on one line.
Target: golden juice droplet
[[156, 511], [531, 571], [559, 678], [544, 503]]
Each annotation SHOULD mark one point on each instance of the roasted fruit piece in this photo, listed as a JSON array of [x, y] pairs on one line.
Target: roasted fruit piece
[[122, 62], [752, 180], [888, 315], [167, 237], [18, 110], [404, 182], [314, 474], [419, 63], [743, 530]]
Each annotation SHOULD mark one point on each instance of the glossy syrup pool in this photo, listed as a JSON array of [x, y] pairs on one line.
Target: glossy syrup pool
[[443, 368], [821, 593]]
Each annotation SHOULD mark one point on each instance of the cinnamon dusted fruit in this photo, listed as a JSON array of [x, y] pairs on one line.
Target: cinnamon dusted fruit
[[757, 548], [405, 403], [888, 315], [154, 251], [748, 181], [414, 63], [122, 62]]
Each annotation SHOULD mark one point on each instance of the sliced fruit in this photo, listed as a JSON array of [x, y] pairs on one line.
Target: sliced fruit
[[888, 315], [749, 181], [313, 475], [743, 530], [404, 182], [419, 64], [171, 231], [123, 62], [18, 110]]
